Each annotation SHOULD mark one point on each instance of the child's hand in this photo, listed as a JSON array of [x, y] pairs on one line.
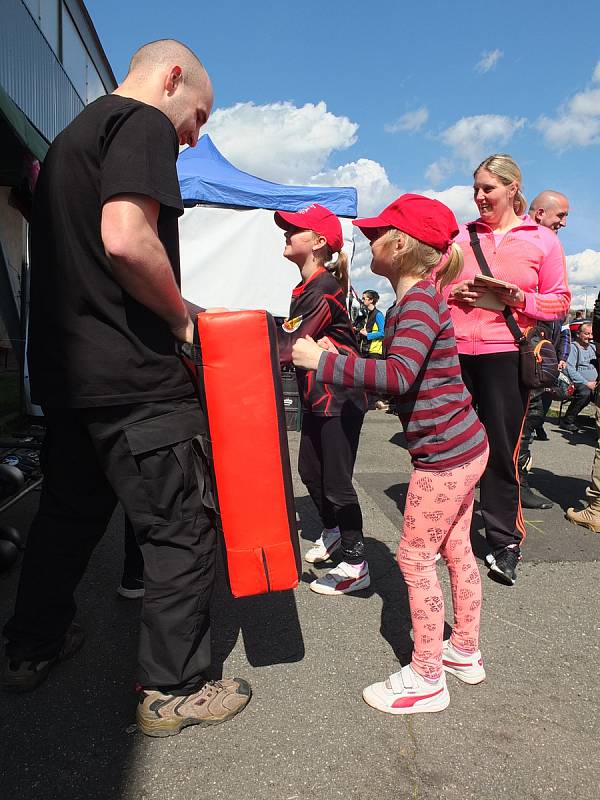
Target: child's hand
[[325, 343], [306, 353]]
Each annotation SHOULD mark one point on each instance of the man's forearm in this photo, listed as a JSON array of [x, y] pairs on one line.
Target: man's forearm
[[145, 273]]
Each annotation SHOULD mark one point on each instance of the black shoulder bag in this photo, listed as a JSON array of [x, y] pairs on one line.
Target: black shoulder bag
[[538, 362]]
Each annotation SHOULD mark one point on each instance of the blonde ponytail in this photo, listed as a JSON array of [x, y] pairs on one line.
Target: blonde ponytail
[[452, 267], [520, 203], [339, 270]]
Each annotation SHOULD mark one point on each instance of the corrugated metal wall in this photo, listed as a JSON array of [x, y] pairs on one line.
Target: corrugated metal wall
[[32, 75]]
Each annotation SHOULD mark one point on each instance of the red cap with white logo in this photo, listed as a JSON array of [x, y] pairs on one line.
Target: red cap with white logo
[[423, 218], [314, 218]]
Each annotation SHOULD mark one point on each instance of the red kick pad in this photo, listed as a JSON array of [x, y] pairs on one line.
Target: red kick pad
[[251, 463]]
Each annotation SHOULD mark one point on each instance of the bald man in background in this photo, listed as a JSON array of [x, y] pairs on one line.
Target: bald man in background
[[123, 423], [550, 209]]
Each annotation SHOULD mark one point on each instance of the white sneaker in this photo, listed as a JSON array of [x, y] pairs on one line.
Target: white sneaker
[[406, 692], [342, 579], [327, 543], [467, 668]]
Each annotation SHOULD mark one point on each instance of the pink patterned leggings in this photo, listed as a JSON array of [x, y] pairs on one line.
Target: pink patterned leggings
[[437, 518]]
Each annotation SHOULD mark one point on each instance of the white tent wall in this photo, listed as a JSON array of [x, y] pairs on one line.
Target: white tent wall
[[232, 257]]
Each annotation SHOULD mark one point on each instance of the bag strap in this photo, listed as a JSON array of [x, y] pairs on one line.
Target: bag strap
[[507, 313]]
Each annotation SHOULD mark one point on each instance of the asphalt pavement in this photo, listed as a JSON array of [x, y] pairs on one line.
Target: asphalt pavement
[[530, 731]]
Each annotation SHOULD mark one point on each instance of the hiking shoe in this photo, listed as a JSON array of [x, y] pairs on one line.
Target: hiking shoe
[[131, 588], [505, 564], [24, 676], [467, 668], [406, 692], [588, 518], [327, 543], [161, 714], [342, 580]]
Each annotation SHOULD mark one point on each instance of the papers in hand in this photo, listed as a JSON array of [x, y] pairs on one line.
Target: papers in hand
[[485, 282], [490, 301]]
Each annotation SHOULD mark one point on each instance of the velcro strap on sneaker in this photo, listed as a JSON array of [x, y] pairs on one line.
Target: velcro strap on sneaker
[[399, 683]]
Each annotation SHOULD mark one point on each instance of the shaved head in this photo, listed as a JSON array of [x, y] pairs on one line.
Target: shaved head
[[550, 209], [163, 52], [547, 198], [169, 76]]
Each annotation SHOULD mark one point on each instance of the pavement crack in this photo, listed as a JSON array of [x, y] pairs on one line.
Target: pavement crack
[[409, 762]]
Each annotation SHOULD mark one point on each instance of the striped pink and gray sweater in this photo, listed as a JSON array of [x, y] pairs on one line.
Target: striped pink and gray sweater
[[421, 367]]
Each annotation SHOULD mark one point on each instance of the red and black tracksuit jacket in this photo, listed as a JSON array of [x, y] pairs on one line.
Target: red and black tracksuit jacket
[[318, 309]]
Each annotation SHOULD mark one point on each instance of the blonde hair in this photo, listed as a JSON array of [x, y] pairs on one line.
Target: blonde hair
[[417, 258], [337, 268], [506, 169]]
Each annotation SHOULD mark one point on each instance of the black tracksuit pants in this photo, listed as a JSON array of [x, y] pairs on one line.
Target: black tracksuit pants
[[533, 420], [149, 457], [326, 457], [501, 403]]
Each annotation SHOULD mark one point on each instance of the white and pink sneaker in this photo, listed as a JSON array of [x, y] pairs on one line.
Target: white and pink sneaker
[[406, 692], [342, 579], [327, 543], [467, 668]]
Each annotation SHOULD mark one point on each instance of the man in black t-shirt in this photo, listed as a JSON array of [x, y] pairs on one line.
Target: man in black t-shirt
[[123, 423]]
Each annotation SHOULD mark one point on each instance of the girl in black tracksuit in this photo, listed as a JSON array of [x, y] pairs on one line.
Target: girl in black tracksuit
[[333, 416]]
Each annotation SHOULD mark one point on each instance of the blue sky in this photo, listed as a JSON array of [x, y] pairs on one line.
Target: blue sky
[[396, 96]]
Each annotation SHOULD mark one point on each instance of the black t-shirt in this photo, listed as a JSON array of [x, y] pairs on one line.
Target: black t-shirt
[[90, 343]]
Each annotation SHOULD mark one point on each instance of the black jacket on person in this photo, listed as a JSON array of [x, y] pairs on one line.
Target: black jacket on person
[[318, 309]]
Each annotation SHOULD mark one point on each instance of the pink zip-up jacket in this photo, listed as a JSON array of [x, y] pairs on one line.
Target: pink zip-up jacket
[[529, 256]]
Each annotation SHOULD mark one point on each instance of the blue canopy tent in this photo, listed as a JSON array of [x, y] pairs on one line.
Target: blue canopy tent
[[231, 250]]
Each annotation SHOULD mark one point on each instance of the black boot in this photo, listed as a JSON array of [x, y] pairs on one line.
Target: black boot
[[529, 498]]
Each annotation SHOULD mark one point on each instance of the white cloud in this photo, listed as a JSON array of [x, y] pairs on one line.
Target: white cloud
[[361, 259], [375, 190], [458, 198], [472, 138], [412, 121], [439, 170], [569, 131], [584, 269], [586, 104], [280, 141], [488, 60], [577, 123]]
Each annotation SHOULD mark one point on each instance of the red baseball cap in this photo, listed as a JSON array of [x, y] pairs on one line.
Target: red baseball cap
[[427, 220], [314, 218]]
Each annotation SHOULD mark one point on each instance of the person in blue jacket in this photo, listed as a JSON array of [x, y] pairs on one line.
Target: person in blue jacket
[[371, 334]]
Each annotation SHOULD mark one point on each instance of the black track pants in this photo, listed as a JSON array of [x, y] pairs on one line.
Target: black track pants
[[326, 458], [501, 403]]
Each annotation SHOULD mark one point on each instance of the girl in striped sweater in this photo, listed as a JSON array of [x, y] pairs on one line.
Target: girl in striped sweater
[[411, 245]]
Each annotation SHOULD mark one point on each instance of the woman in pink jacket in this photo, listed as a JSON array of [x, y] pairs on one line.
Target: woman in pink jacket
[[529, 258]]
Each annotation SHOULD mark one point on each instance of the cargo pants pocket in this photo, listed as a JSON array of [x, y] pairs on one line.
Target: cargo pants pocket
[[172, 468]]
